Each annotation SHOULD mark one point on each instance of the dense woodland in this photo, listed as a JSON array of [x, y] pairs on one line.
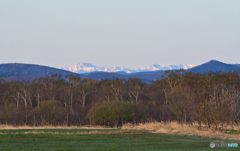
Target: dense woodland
[[211, 99]]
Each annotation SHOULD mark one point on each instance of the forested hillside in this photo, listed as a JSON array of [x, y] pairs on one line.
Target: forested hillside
[[211, 99], [28, 72]]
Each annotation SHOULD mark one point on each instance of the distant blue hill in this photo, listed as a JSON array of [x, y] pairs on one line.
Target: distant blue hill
[[20, 71], [237, 65], [147, 77], [214, 65]]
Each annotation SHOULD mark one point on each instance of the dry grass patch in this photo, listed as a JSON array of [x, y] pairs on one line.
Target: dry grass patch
[[157, 127], [175, 128]]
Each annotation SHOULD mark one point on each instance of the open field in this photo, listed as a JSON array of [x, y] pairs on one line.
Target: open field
[[146, 141], [88, 138], [154, 127]]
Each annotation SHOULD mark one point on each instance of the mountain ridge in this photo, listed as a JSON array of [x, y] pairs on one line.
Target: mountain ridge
[[27, 72], [20, 71], [86, 68], [214, 66]]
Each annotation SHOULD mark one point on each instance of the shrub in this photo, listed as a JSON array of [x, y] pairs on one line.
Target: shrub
[[50, 112], [111, 113]]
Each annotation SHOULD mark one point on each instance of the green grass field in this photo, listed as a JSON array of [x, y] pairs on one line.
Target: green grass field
[[52, 139]]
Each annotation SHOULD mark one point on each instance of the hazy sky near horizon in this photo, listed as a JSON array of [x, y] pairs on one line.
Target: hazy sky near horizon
[[126, 33]]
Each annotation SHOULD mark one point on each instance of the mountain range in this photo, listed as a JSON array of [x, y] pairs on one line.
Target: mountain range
[[86, 68], [27, 72]]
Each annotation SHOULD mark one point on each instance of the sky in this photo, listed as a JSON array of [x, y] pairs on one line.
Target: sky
[[126, 33]]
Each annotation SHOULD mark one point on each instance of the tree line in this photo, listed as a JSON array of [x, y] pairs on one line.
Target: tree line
[[212, 99]]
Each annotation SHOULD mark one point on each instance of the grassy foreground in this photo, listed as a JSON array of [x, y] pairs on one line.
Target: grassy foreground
[[102, 140]]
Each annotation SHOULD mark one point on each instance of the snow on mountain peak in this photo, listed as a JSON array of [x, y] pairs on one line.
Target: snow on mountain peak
[[85, 65], [84, 68]]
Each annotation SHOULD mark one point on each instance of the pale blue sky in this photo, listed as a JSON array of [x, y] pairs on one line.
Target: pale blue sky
[[127, 33]]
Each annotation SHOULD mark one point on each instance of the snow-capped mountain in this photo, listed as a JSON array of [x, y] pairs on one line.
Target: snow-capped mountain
[[156, 67], [85, 68], [82, 68]]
